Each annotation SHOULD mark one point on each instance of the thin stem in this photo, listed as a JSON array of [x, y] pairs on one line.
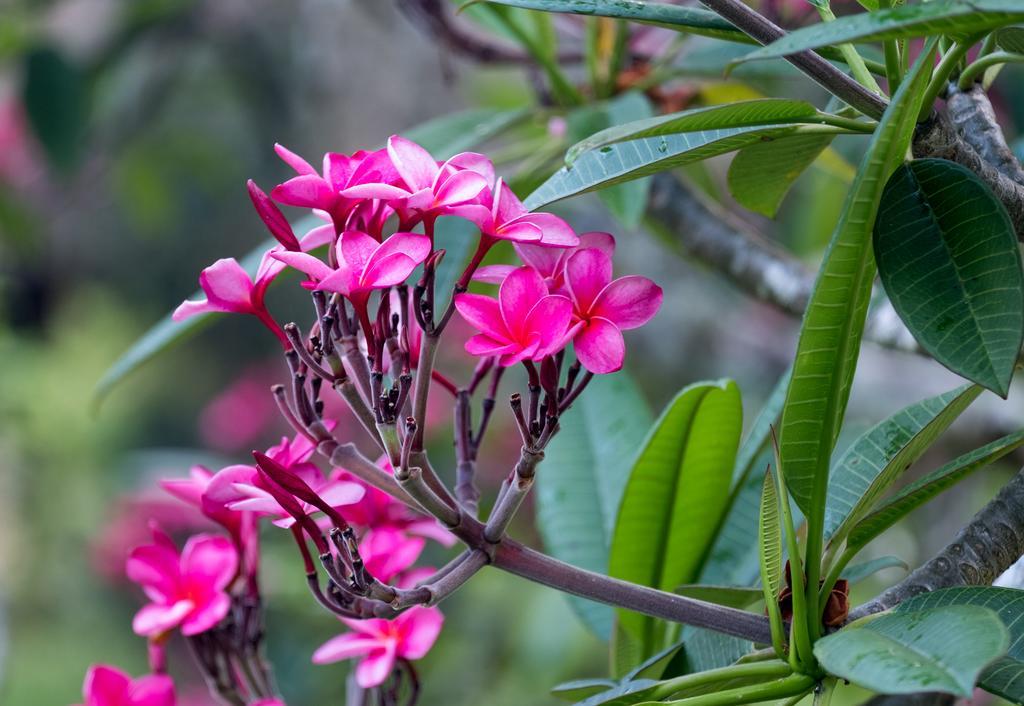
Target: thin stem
[[513, 495], [762, 30], [893, 67], [412, 482], [778, 689], [360, 411], [980, 66], [940, 77], [847, 123], [853, 58], [465, 566], [428, 352], [767, 670]]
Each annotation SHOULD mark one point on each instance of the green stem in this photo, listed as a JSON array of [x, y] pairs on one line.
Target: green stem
[[774, 669], [980, 66], [800, 642], [893, 65], [778, 689], [950, 60], [847, 123], [853, 58]]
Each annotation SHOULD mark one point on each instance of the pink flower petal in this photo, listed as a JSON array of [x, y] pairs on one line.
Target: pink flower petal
[[474, 162], [385, 192], [317, 237], [629, 301], [555, 230], [209, 561], [587, 272], [341, 493], [156, 569], [549, 318], [374, 669], [188, 309], [356, 248], [414, 163], [483, 345], [227, 286], [293, 160], [544, 258], [600, 347], [387, 271], [506, 206], [459, 188], [520, 232], [482, 313], [156, 618], [598, 240], [207, 615], [344, 646], [518, 294], [304, 262], [421, 627], [105, 686], [338, 169], [222, 490], [492, 274], [151, 690], [308, 191]]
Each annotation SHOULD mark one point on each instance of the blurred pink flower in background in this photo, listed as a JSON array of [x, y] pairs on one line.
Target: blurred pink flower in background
[[186, 590], [242, 413], [109, 686], [379, 643]]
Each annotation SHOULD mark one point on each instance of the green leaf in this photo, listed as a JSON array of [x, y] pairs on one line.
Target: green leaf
[[731, 596], [582, 688], [957, 18], [56, 99], [589, 460], [948, 257], [447, 135], [763, 111], [770, 540], [829, 343], [921, 491], [677, 493], [1005, 676], [687, 19], [1011, 39], [625, 161], [942, 649], [627, 201], [858, 572], [761, 175], [874, 461]]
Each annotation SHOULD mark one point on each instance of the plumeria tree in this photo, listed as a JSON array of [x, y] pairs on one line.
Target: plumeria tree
[[723, 562]]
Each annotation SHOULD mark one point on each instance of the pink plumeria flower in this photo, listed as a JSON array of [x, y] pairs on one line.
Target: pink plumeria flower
[[524, 323], [388, 552], [108, 686], [364, 265], [606, 308], [550, 262], [321, 191], [229, 288], [379, 643], [187, 590], [500, 215], [427, 189]]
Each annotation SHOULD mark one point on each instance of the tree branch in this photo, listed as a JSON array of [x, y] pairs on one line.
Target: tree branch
[[764, 31], [704, 231], [972, 115], [984, 549]]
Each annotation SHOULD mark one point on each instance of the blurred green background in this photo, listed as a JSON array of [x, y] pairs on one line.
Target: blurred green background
[[127, 131]]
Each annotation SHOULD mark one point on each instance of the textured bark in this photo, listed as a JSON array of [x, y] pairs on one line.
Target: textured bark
[[704, 231], [937, 137], [972, 115], [984, 549]]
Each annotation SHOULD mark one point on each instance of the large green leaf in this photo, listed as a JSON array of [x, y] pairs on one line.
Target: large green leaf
[[624, 161], [924, 489], [958, 18], [829, 344], [770, 540], [687, 19], [874, 461], [1011, 39], [761, 175], [442, 136], [948, 257], [627, 201], [1005, 676], [585, 472], [677, 493], [939, 649], [763, 111]]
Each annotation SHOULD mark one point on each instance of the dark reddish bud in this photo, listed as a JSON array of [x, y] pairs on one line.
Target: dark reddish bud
[[275, 221], [297, 488], [293, 508], [837, 605]]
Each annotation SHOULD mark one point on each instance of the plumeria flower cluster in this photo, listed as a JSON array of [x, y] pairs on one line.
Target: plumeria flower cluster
[[372, 271]]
